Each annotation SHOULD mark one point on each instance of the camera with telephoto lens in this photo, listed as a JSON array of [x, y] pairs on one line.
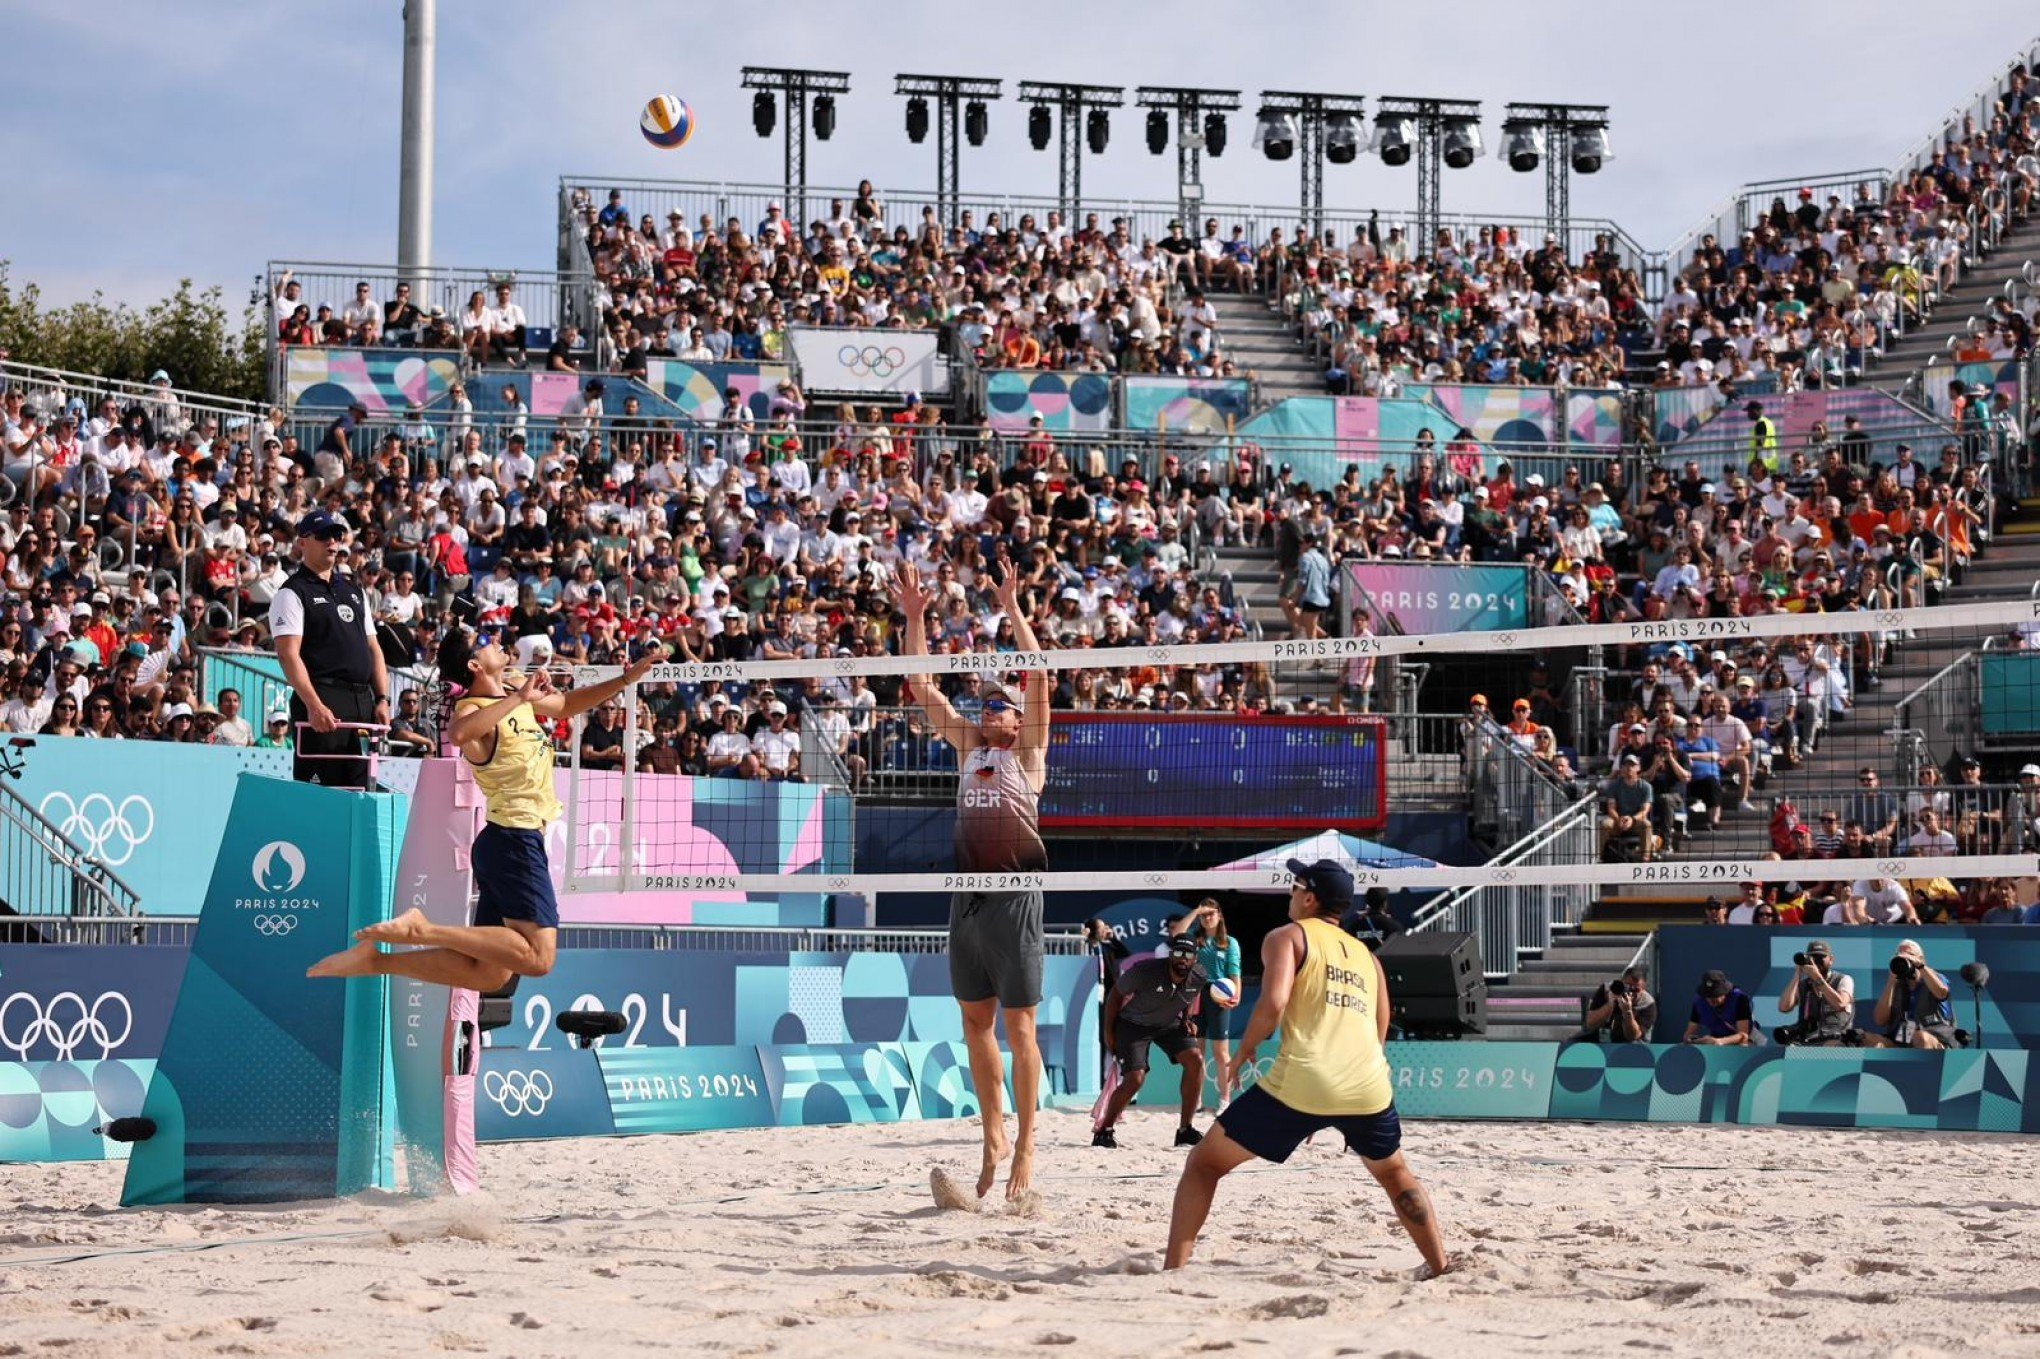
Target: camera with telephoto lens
[[1800, 960], [1904, 968]]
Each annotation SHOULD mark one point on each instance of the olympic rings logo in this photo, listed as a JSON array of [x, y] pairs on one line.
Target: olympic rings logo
[[1891, 618], [66, 1023], [871, 361], [107, 832], [1505, 639], [275, 926], [518, 1093], [1889, 868]]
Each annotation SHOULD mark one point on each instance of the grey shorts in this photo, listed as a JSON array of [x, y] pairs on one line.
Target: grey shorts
[[995, 947]]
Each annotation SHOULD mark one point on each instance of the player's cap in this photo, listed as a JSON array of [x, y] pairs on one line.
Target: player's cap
[[1328, 879], [991, 689]]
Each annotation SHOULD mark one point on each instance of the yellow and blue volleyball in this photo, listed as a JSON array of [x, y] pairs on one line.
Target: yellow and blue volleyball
[[667, 123]]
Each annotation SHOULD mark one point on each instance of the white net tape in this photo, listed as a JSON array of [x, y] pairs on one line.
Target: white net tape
[[1708, 632]]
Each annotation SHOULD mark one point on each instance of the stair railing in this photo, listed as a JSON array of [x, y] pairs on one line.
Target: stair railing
[[1510, 919]]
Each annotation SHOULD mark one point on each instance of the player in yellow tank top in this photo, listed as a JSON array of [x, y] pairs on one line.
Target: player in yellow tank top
[[501, 731], [1327, 994]]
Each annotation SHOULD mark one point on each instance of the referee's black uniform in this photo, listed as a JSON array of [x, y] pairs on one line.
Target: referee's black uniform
[[338, 655]]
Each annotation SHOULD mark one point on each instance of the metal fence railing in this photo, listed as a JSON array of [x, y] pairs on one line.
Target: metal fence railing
[[716, 202], [45, 877], [549, 298], [1512, 920], [1946, 710]]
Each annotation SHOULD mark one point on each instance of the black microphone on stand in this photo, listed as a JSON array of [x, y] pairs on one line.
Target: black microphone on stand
[[1978, 977]]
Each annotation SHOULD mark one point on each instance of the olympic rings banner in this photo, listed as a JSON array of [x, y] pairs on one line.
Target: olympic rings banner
[[873, 361], [152, 811]]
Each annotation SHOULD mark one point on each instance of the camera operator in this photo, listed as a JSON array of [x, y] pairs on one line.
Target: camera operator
[[1914, 1011], [1824, 999], [1722, 1016], [1619, 1012]]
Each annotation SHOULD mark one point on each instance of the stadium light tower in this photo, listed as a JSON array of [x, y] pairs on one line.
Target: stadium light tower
[[948, 92], [1320, 127], [1569, 139], [1083, 116], [414, 154], [802, 89], [1435, 132], [1200, 127]]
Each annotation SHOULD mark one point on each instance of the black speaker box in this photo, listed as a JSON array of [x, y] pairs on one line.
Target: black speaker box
[[1435, 983]]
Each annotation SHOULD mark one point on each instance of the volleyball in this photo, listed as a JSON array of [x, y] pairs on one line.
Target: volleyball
[[1226, 992], [666, 122]]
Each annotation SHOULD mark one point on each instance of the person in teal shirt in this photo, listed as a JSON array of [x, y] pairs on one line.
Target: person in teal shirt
[[1218, 957]]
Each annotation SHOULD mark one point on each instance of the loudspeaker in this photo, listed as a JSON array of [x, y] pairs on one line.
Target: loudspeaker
[[1435, 983]]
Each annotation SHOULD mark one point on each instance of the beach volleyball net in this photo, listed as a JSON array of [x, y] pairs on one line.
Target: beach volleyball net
[[1790, 748]]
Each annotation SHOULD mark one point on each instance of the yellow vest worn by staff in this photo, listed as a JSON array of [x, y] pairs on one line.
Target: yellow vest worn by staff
[[517, 778], [1764, 442], [1331, 1061]]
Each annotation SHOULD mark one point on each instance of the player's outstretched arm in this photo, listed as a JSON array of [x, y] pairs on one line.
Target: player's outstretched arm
[[913, 601], [1034, 711]]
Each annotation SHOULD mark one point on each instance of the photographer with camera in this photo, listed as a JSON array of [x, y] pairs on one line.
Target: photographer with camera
[[1619, 1012], [1824, 999], [1914, 1011]]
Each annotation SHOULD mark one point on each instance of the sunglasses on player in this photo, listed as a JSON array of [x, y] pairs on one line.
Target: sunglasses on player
[[997, 705]]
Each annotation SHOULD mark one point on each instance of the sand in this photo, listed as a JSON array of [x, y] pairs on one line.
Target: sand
[[1605, 1239]]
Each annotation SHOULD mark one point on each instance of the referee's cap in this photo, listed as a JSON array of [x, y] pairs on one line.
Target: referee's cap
[[323, 525]]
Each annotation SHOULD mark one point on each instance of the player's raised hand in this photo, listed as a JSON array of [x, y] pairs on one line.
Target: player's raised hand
[[655, 653], [908, 592]]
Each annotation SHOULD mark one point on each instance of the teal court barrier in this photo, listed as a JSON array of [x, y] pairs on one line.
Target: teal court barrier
[[270, 1087]]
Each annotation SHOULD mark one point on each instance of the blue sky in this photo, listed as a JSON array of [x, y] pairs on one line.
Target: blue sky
[[204, 138]]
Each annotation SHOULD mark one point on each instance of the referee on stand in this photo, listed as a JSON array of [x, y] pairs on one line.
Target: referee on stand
[[326, 643]]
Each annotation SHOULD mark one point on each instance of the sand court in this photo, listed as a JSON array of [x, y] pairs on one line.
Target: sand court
[[825, 1242]]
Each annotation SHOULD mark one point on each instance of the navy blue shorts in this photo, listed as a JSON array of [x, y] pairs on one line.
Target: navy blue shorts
[[1271, 1129], [512, 880]]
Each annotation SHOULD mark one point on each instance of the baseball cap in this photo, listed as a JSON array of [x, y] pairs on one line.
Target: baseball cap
[[991, 689], [1715, 983], [176, 710], [535, 649], [775, 709], [1182, 944], [322, 525], [1819, 949], [2033, 769], [1328, 879]]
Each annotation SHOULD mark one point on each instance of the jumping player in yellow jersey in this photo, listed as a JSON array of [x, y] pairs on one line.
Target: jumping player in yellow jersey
[[503, 734], [1326, 992]]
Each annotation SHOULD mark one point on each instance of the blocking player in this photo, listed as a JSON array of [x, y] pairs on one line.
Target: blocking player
[[995, 944]]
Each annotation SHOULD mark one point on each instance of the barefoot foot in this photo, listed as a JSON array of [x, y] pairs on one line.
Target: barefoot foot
[[997, 1149], [408, 928], [359, 961], [1020, 1180]]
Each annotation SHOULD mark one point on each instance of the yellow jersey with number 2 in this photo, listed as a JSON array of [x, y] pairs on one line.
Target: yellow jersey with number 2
[[517, 778], [1331, 1060]]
